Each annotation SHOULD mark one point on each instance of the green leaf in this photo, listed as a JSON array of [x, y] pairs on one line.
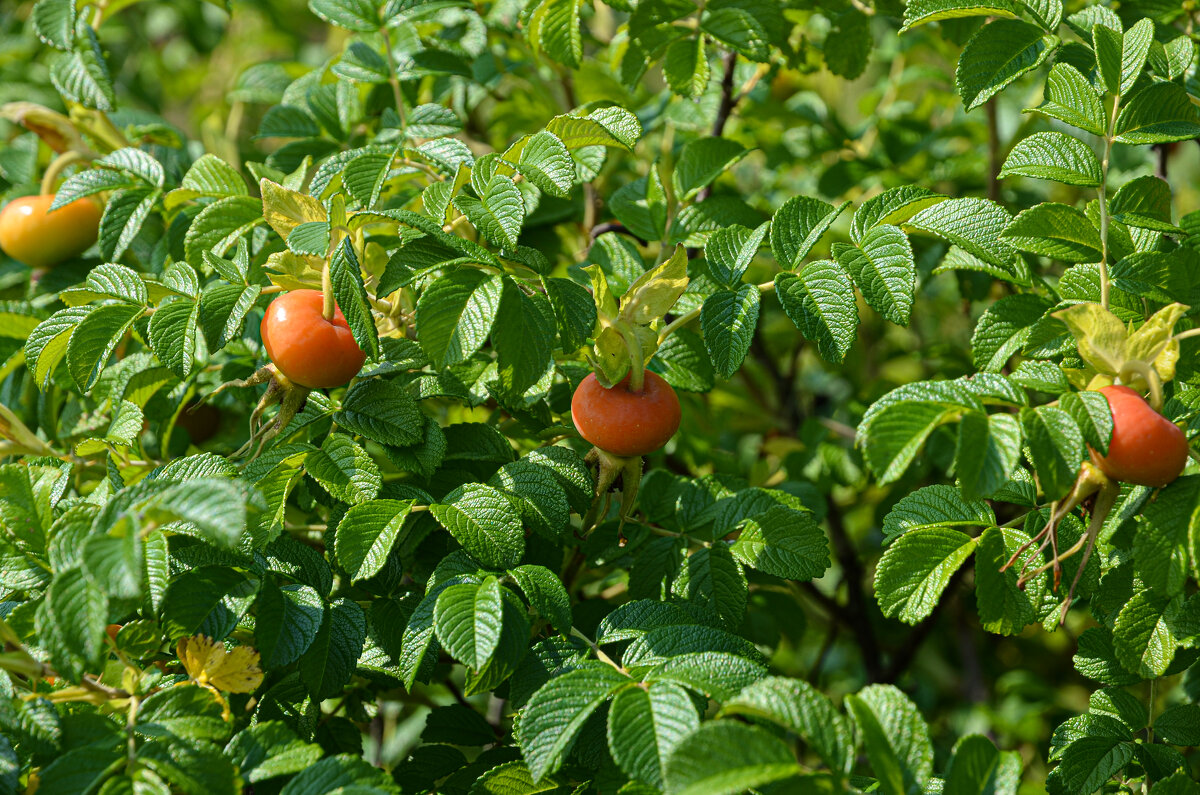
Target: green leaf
[[1093, 415], [1003, 329], [1055, 230], [797, 226], [714, 674], [544, 160], [546, 593], [484, 522], [81, 74], [1145, 203], [920, 12], [367, 533], [989, 449], [646, 725], [896, 738], [54, 22], [730, 251], [686, 67], [93, 340], [382, 411], [711, 578], [1070, 98], [972, 769], [1054, 156], [724, 757], [468, 619], [219, 225], [935, 506], [78, 609], [173, 335], [1179, 725], [287, 621], [574, 312], [914, 571], [1004, 608], [738, 29], [1055, 446], [798, 707], [357, 15], [607, 126], [893, 206], [269, 749], [554, 28], [1091, 761], [523, 336], [1159, 113], [898, 432], [703, 160], [539, 496], [728, 320], [1107, 44], [971, 224], [784, 542], [351, 296], [555, 714], [641, 206], [820, 301], [344, 470], [1142, 636], [884, 269], [455, 314], [1135, 46], [499, 213], [999, 53]]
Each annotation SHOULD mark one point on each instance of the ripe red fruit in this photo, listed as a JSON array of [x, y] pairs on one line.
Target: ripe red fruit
[[622, 422], [305, 347], [40, 239], [1146, 448]]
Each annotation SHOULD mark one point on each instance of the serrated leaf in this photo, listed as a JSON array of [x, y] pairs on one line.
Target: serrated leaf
[[1142, 636], [1159, 113], [784, 542], [797, 226], [972, 224], [999, 53], [921, 12], [989, 449], [703, 160], [916, 569], [728, 320], [344, 470], [366, 534], [382, 411], [484, 522], [883, 267], [895, 736], [645, 726], [798, 707], [1055, 446], [1004, 608], [556, 713], [468, 620], [1055, 156], [1003, 329], [1071, 98], [725, 757], [1055, 230], [498, 214], [821, 302]]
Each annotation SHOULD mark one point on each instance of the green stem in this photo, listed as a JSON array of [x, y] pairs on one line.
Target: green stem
[[393, 76], [1102, 190], [329, 306], [56, 167]]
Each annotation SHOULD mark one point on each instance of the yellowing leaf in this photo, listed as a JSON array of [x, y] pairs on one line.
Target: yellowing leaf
[[1153, 343], [294, 271], [1099, 334], [606, 302], [286, 209], [656, 290], [208, 663]]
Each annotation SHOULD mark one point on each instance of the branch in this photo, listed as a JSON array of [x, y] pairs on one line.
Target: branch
[[728, 100]]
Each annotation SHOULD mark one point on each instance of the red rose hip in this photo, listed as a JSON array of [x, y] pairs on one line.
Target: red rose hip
[[305, 347], [1146, 448], [623, 422]]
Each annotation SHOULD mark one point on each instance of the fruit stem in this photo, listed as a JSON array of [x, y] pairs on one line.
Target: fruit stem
[[329, 306], [56, 167], [1148, 374], [637, 359]]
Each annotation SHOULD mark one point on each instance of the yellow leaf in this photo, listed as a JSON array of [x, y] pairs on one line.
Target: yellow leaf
[[656, 290], [1099, 334], [1153, 343], [606, 302], [208, 663], [286, 209], [293, 271]]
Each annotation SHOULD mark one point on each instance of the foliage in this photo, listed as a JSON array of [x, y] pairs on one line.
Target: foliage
[[886, 309]]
